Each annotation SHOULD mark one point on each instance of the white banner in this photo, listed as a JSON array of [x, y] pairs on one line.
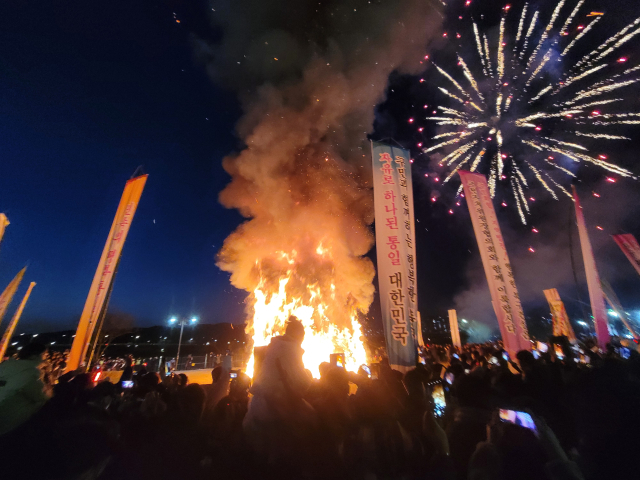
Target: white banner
[[395, 245], [502, 285], [593, 279], [561, 324]]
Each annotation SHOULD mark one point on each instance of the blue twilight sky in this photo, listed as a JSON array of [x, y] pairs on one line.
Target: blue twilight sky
[[87, 94]]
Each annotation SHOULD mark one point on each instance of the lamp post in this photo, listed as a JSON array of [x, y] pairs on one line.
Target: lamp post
[[182, 322]]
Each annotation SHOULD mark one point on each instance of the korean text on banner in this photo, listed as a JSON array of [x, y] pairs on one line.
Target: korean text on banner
[[104, 273], [629, 246], [561, 324], [455, 331], [9, 292], [593, 279], [395, 244], [497, 268]]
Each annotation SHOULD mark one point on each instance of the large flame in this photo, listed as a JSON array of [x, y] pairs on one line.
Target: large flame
[[313, 308]]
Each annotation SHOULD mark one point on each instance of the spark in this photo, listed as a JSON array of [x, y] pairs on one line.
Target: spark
[[506, 106]]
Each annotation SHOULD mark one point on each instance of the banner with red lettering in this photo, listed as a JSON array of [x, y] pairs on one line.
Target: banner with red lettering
[[453, 326], [629, 246], [497, 268], [593, 279], [395, 245], [104, 273], [561, 324]]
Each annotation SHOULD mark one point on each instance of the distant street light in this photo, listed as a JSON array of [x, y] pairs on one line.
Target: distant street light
[[182, 322]]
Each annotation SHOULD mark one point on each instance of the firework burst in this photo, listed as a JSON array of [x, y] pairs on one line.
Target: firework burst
[[518, 119]]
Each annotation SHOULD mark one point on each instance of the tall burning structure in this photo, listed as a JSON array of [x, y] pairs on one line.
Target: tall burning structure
[[309, 75]]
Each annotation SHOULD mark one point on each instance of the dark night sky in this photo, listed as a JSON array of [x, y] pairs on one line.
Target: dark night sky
[[89, 91]]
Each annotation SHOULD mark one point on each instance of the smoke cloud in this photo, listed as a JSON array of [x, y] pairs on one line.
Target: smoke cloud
[[309, 75]]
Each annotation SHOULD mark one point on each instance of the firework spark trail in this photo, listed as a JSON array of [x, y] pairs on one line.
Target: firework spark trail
[[480, 51], [560, 187], [555, 165], [609, 41], [523, 197], [528, 109], [520, 27], [518, 206], [470, 77], [541, 93], [604, 136], [580, 35], [476, 161], [594, 92], [541, 180], [455, 170], [487, 56], [528, 35], [570, 18], [501, 45], [545, 59], [545, 34]]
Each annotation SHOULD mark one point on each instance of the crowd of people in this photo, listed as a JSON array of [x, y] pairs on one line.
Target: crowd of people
[[576, 417]]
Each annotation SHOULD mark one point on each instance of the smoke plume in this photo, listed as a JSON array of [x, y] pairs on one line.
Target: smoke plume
[[309, 75]]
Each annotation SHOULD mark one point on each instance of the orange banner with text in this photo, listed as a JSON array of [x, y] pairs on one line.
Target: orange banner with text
[[502, 285], [104, 273]]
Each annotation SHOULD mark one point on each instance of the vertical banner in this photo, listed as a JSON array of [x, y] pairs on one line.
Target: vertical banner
[[614, 302], [502, 285], [4, 221], [6, 338], [419, 332], [104, 273], [9, 292], [455, 331], [593, 279], [395, 244], [561, 324], [629, 246]]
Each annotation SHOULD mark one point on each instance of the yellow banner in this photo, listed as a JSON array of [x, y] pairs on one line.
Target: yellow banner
[[9, 292], [104, 273], [561, 324], [4, 221], [6, 338]]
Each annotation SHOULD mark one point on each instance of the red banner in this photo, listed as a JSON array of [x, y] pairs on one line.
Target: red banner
[[497, 267], [593, 279], [629, 246], [104, 273]]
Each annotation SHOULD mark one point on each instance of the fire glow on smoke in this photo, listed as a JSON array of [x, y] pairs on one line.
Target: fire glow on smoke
[[313, 308]]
